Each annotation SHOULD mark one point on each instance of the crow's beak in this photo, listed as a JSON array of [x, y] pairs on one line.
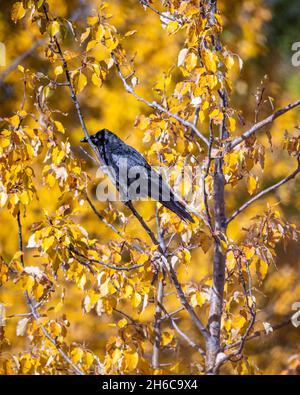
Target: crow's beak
[[84, 140]]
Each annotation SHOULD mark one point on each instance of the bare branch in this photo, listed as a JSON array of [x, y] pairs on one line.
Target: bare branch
[[157, 325], [182, 334], [186, 304], [261, 124], [142, 222], [250, 302], [165, 317], [102, 219], [265, 192]]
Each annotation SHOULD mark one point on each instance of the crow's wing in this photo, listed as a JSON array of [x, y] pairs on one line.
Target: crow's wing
[[135, 179], [131, 171]]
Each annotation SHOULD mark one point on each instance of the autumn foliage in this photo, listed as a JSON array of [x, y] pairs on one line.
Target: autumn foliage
[[83, 288]]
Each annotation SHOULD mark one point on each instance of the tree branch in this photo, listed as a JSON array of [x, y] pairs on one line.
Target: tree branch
[[169, 268], [265, 192], [213, 345], [256, 334], [161, 14], [182, 334], [113, 267], [158, 107], [157, 325], [261, 124]]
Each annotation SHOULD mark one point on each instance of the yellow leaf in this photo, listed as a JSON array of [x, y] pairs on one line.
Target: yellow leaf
[[24, 197], [50, 180], [116, 355], [55, 328], [47, 243], [252, 184], [229, 62], [122, 323], [92, 20], [85, 35], [79, 82], [4, 141], [38, 291], [76, 354], [263, 269], [100, 32], [166, 338], [88, 359], [17, 255], [59, 127], [14, 120], [131, 359], [232, 124], [191, 61], [17, 11], [27, 283], [53, 28], [217, 115], [142, 259], [130, 33], [249, 252], [197, 299], [173, 27], [209, 60], [58, 70], [25, 365], [136, 299], [91, 45], [58, 307], [128, 291]]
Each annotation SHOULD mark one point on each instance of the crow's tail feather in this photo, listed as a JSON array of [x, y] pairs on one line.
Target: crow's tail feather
[[178, 208]]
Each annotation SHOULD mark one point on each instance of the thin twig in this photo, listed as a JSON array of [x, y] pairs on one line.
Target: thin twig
[[256, 334], [165, 317], [130, 205], [113, 267], [157, 325], [251, 307], [261, 124], [182, 334], [161, 14], [265, 192], [102, 219]]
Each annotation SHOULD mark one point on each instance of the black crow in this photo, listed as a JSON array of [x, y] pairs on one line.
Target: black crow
[[131, 173]]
